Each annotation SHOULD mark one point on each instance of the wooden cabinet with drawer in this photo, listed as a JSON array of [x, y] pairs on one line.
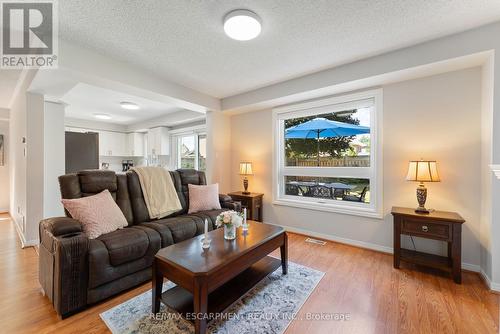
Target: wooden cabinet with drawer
[[437, 225], [426, 229], [253, 203]]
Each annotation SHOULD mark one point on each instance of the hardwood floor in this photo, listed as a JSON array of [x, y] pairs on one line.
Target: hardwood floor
[[358, 282]]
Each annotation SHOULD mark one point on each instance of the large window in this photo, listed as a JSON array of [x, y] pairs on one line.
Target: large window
[[191, 151], [328, 152]]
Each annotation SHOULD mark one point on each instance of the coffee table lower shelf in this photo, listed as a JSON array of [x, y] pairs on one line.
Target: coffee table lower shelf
[[181, 300]]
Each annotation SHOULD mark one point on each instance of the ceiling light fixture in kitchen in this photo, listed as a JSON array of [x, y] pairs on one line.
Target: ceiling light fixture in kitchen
[[102, 116], [129, 105], [242, 25]]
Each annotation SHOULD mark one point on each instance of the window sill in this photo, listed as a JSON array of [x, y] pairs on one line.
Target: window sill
[[328, 207]]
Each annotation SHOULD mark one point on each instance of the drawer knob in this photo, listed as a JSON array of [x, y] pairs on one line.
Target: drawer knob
[[425, 228]]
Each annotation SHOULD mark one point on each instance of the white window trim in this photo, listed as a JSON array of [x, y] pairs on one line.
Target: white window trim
[[374, 209], [175, 137]]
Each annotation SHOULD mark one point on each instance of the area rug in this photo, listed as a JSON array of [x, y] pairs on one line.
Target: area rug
[[268, 307]]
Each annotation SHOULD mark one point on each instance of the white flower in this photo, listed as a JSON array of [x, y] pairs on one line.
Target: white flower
[[229, 217], [237, 220]]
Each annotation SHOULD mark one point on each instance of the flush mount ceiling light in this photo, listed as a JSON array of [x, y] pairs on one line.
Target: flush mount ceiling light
[[102, 116], [129, 105], [242, 25]]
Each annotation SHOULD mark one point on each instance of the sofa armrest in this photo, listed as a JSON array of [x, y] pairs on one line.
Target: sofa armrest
[[63, 264], [61, 225], [226, 202]]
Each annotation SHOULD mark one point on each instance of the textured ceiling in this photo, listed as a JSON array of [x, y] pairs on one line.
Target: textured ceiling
[[184, 40]]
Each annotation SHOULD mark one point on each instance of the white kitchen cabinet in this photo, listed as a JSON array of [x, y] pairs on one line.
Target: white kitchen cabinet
[[112, 144], [135, 144], [158, 141], [104, 148], [119, 144]]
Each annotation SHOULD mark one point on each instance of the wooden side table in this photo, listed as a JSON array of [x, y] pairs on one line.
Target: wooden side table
[[437, 225], [253, 203]]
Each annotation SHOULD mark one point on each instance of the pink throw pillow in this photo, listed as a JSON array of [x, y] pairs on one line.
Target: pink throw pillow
[[203, 198], [98, 214]]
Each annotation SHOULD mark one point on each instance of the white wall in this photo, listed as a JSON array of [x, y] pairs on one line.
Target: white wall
[[35, 135], [437, 117], [17, 154], [4, 114], [54, 158], [4, 170], [34, 165]]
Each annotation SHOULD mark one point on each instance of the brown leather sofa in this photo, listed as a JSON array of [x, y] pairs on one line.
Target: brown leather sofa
[[75, 271]]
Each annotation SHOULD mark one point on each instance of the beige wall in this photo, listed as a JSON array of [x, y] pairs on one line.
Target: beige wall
[[218, 150], [437, 117]]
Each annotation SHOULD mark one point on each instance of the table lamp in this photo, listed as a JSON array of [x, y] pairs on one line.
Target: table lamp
[[245, 169], [422, 171]]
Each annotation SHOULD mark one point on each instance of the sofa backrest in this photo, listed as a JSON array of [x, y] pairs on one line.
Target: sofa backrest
[[126, 189], [188, 176], [91, 182], [181, 178]]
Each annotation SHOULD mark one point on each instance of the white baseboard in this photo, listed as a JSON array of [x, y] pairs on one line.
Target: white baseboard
[[24, 243], [471, 267], [351, 242], [362, 244], [30, 243], [492, 285]]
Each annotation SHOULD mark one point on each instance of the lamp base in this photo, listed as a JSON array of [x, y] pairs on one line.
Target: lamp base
[[245, 186], [421, 210], [421, 198]]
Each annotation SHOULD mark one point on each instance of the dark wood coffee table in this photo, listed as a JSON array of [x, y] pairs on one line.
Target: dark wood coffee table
[[211, 280]]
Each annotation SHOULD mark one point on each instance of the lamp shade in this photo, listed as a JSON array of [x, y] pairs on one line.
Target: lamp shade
[[422, 171], [246, 168]]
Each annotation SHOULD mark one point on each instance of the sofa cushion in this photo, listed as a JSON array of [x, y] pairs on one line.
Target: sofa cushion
[[123, 198], [125, 245], [186, 177], [90, 182], [176, 178], [98, 214], [102, 270], [95, 181], [203, 198], [139, 208], [211, 215], [175, 229]]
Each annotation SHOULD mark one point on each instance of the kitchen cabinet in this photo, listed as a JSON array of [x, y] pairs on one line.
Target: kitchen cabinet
[[136, 144], [158, 141], [112, 144]]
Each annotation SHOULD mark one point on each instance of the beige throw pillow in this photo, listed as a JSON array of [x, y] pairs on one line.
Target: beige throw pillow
[[99, 214], [203, 198]]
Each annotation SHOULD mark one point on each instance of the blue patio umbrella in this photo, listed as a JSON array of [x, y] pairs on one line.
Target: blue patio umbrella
[[324, 128]]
